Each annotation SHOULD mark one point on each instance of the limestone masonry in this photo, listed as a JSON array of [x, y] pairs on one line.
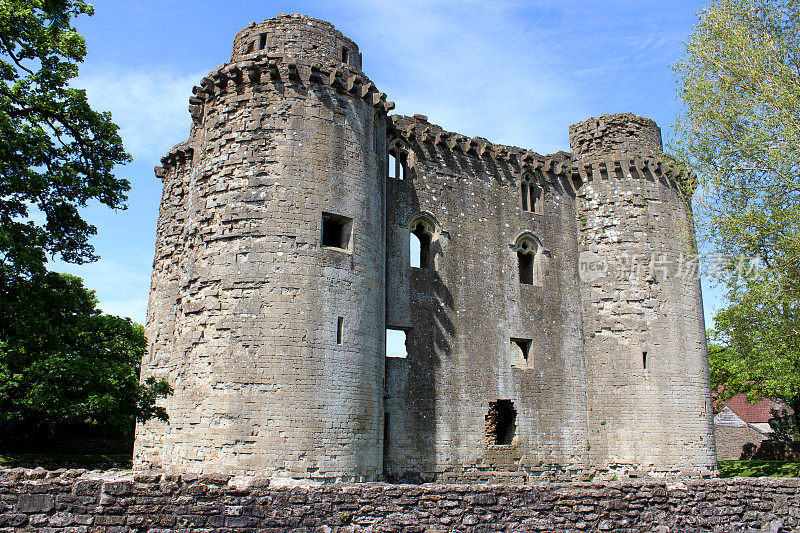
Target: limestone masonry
[[553, 321]]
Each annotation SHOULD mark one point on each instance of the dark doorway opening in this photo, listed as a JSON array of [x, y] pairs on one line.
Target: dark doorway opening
[[501, 423]]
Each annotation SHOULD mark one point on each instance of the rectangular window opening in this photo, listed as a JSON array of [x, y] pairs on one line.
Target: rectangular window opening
[[525, 197], [521, 353], [339, 330], [396, 343], [396, 168], [385, 429], [525, 263], [644, 360], [501, 423], [345, 55], [262, 41], [336, 231]]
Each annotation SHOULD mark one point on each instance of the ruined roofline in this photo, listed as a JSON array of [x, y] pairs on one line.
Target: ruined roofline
[[617, 163], [417, 128], [245, 43]]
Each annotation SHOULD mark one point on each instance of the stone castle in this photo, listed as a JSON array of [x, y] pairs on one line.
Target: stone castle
[[553, 324]]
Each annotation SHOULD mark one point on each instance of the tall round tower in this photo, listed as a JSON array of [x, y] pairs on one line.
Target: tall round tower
[[267, 304], [647, 367]]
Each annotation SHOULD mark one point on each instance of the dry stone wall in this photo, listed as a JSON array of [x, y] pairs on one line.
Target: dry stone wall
[[77, 501]]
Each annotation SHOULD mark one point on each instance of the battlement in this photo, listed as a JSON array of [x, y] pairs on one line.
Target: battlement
[[417, 129], [620, 132], [297, 36], [266, 72]]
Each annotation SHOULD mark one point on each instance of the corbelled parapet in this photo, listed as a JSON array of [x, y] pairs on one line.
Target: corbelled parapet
[[296, 36], [268, 73], [417, 129]]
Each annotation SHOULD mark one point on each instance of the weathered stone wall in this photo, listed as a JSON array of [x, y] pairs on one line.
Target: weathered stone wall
[[272, 340], [80, 501], [647, 369], [295, 36], [462, 312]]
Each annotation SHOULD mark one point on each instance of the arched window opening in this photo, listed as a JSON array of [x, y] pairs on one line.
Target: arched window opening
[[501, 423], [528, 259], [397, 166], [421, 246]]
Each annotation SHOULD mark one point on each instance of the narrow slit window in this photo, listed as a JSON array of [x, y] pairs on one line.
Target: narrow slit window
[[536, 199], [339, 330], [396, 343], [525, 197], [644, 360], [262, 41], [420, 247], [525, 264], [385, 429], [501, 423], [345, 55], [336, 231]]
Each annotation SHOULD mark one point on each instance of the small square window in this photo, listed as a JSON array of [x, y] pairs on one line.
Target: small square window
[[520, 353], [336, 231]]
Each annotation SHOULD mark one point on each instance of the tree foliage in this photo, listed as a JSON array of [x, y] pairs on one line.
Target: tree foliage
[[63, 364], [56, 152], [740, 131]]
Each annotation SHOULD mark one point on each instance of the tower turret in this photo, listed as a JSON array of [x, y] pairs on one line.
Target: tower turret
[[647, 367], [267, 303]]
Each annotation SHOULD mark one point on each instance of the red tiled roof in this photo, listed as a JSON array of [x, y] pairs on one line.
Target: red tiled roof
[[754, 413]]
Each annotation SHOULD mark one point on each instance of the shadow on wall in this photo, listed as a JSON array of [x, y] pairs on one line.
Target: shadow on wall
[[768, 450], [412, 456]]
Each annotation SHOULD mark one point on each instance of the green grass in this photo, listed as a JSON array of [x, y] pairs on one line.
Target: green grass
[[758, 469], [65, 459]]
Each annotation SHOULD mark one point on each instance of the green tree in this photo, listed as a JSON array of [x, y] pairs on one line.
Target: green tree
[[64, 366], [62, 363], [740, 131], [56, 152]]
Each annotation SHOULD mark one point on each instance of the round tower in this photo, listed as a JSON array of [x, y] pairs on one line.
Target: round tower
[[647, 368], [267, 304]]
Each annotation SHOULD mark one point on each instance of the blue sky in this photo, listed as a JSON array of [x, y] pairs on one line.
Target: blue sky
[[515, 72]]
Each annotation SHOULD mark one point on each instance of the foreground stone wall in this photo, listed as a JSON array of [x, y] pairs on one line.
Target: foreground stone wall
[[81, 501]]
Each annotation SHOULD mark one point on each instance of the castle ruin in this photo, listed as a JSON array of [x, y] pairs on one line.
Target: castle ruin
[[552, 326]]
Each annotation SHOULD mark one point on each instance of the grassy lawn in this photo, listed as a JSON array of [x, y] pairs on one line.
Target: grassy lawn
[[759, 469], [55, 460]]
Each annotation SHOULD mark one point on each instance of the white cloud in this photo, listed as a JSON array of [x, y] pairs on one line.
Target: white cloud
[[150, 105], [472, 67]]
